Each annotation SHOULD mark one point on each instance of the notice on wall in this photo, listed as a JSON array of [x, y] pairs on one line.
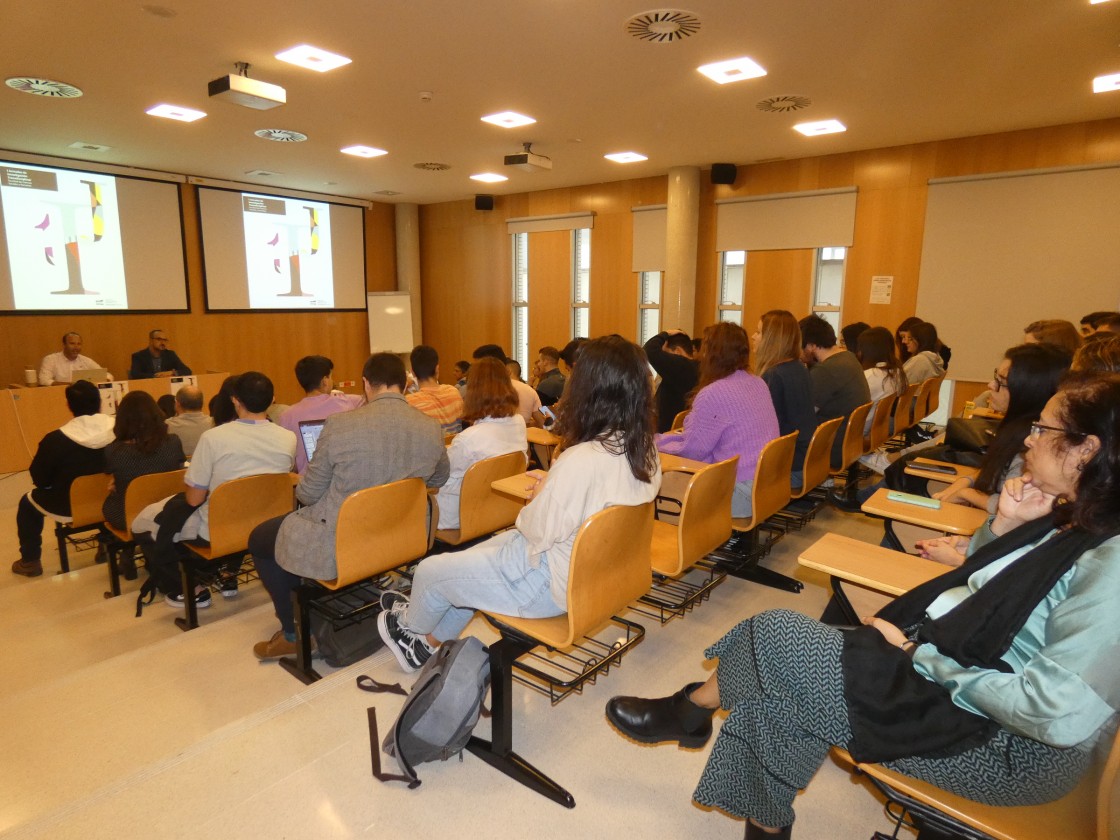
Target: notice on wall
[[881, 288]]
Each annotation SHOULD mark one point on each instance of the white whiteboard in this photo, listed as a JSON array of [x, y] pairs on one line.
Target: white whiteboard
[[390, 322]]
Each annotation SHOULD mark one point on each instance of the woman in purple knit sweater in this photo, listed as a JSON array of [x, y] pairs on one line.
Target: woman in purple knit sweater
[[731, 412]]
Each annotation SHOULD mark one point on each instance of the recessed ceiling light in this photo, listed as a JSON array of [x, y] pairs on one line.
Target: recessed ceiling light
[[734, 70], [509, 119], [363, 151], [811, 129], [176, 112], [90, 147], [313, 58], [1103, 84], [626, 157], [1094, 2], [489, 177]]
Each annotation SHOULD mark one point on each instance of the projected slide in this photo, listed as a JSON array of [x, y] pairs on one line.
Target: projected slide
[[63, 235], [288, 252]]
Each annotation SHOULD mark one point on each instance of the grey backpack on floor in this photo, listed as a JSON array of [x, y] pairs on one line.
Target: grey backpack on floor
[[442, 708]]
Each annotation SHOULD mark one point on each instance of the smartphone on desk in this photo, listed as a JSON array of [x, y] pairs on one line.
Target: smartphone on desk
[[913, 499]]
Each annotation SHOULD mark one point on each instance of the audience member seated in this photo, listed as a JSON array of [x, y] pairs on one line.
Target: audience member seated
[[75, 449], [1098, 352], [1053, 331], [495, 429], [166, 405], [1091, 322], [924, 362], [777, 359], [249, 445], [142, 446], [549, 381], [904, 353], [513, 368], [881, 367], [461, 368], [189, 422], [384, 441], [731, 413], [156, 360], [836, 375], [60, 367], [670, 354], [443, 403], [320, 401], [1110, 323], [528, 401], [608, 458], [849, 335], [221, 404], [1010, 659]]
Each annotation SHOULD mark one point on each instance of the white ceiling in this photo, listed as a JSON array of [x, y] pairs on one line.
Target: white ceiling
[[894, 71]]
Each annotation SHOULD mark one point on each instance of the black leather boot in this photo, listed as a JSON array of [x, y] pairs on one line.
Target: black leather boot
[[673, 718], [756, 833]]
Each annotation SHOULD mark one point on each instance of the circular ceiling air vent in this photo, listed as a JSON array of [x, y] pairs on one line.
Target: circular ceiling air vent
[[783, 104], [663, 26], [280, 135], [432, 167], [43, 87]]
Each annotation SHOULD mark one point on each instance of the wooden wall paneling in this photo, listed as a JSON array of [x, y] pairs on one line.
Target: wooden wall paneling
[[381, 248], [614, 287], [778, 280], [550, 289]]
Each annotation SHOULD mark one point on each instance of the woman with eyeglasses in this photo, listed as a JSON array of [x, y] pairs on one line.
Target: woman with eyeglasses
[[994, 681]]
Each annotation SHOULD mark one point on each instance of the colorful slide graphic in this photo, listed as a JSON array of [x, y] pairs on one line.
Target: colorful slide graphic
[[287, 252], [63, 236]]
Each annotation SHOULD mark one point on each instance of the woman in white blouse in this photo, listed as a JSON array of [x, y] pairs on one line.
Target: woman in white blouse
[[490, 406]]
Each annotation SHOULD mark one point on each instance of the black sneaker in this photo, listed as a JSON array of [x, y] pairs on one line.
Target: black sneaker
[[409, 649], [228, 586], [390, 598], [201, 600]]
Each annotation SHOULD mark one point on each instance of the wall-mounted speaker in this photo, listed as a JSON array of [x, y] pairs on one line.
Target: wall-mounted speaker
[[724, 173], [484, 202]]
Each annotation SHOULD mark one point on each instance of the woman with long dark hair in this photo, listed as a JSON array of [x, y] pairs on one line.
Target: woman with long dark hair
[[875, 349], [142, 446], [495, 428], [731, 413], [994, 681], [924, 361], [607, 458]]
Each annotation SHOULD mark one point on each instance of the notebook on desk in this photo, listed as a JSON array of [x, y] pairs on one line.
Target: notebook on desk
[[309, 431]]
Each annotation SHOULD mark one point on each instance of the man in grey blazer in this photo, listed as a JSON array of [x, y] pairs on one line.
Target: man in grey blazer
[[379, 443]]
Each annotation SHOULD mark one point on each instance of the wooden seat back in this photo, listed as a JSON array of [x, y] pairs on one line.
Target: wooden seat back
[[934, 400], [87, 495], [771, 490], [481, 510], [904, 408], [143, 491], [852, 448], [921, 400], [704, 523], [380, 528], [239, 506], [610, 567], [818, 457], [1086, 813], [880, 430], [678, 421]]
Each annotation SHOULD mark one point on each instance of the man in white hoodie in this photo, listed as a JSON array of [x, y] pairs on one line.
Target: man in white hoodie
[[78, 448]]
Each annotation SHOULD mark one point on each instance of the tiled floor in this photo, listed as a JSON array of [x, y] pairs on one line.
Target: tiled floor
[[121, 726]]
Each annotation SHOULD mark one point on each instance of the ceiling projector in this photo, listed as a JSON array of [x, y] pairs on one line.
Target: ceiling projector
[[529, 162], [251, 93]]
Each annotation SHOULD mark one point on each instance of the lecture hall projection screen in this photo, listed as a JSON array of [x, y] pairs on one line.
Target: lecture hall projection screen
[[72, 240]]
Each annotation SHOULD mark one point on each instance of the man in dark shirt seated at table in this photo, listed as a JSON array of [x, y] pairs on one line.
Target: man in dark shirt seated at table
[[550, 381], [835, 374], [670, 354], [156, 360]]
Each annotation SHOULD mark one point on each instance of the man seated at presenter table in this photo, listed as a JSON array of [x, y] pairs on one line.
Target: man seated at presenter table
[[74, 450], [320, 402], [156, 360], [384, 441], [189, 421], [60, 367]]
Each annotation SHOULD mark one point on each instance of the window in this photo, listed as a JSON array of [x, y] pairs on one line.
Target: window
[[521, 299], [732, 271], [828, 284], [649, 305], [581, 283]]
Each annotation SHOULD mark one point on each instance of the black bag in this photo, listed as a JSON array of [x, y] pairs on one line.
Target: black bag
[[971, 435], [344, 641]]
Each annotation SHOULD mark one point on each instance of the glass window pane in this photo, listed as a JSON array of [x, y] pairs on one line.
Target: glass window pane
[[521, 335], [520, 267], [731, 278], [580, 321], [649, 324], [735, 316], [650, 287], [828, 290]]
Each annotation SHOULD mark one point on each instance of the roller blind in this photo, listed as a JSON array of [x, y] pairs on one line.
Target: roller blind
[[1001, 251], [817, 219], [544, 224], [649, 238]]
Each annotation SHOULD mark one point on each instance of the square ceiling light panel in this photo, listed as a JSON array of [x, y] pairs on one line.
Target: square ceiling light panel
[[1103, 84], [313, 58], [812, 129], [176, 112], [733, 70], [509, 119]]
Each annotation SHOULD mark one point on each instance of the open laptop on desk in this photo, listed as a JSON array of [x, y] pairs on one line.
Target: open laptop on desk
[[93, 375]]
